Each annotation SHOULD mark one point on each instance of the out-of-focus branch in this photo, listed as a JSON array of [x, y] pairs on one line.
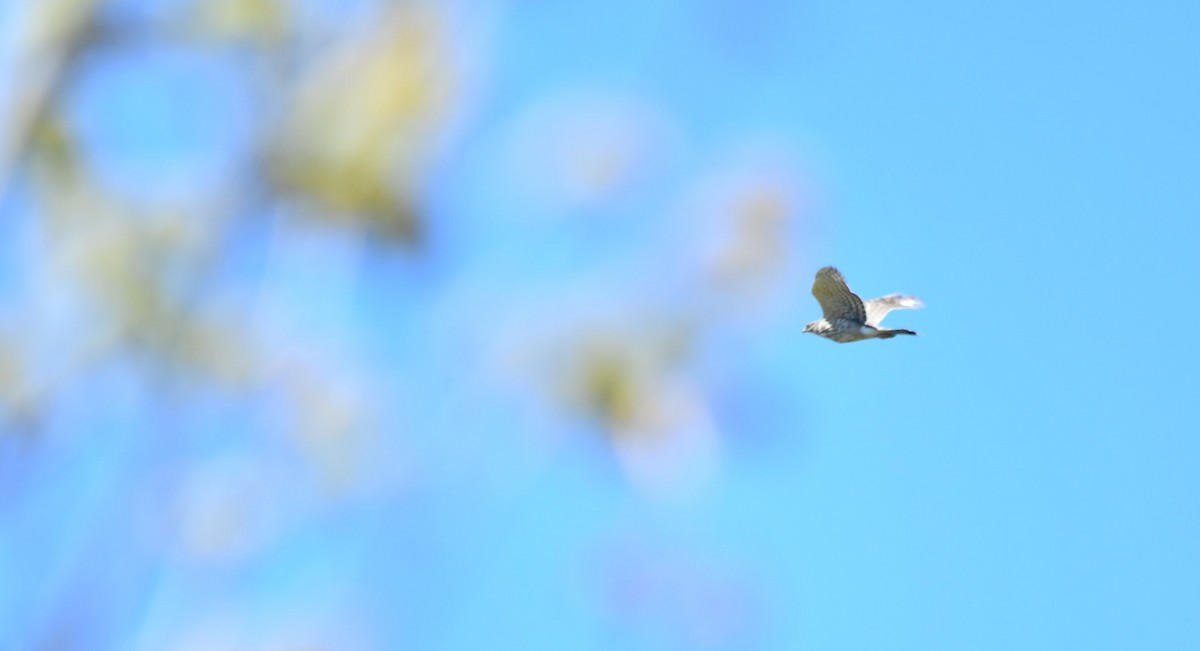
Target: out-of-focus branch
[[49, 37]]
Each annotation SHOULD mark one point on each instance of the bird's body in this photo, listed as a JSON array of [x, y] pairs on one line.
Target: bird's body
[[849, 318]]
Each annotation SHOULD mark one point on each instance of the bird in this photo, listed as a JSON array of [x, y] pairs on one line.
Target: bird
[[849, 318]]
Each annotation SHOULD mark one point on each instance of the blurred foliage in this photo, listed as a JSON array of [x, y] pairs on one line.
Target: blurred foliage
[[363, 122], [357, 122], [352, 130], [230, 21], [351, 121]]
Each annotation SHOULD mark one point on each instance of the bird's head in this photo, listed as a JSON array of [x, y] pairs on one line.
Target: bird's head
[[811, 328]]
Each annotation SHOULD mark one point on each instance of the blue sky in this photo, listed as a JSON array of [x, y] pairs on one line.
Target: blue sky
[[1022, 475]]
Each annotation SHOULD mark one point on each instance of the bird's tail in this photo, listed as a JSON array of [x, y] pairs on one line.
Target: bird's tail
[[888, 334]]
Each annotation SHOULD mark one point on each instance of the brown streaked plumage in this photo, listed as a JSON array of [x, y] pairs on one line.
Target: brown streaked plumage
[[849, 318]]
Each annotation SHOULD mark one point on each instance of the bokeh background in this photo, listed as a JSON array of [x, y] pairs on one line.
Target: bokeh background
[[476, 325]]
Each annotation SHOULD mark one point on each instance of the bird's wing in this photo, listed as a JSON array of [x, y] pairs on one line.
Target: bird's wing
[[836, 299], [877, 308]]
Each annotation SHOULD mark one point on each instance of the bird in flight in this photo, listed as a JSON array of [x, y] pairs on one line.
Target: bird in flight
[[848, 317]]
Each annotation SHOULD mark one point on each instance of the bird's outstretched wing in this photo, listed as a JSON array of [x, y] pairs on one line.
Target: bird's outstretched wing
[[877, 308], [836, 299]]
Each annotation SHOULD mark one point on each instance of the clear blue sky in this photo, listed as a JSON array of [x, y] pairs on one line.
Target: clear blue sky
[[1021, 476]]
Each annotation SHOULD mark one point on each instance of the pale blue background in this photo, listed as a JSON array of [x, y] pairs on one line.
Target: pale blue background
[[1021, 476]]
